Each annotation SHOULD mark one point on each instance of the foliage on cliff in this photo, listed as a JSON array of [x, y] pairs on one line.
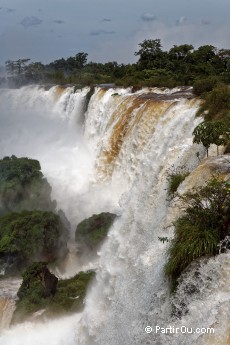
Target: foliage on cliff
[[93, 230], [175, 177], [217, 104], [29, 236], [216, 111], [201, 229], [64, 295], [22, 186]]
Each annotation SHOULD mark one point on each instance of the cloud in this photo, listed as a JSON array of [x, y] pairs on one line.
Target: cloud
[[58, 21], [181, 21], [30, 21], [205, 22], [191, 33], [148, 17], [10, 9], [101, 32], [7, 10], [105, 20]]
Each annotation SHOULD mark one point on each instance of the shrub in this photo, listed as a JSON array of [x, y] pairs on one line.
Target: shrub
[[175, 179], [204, 224], [71, 292], [31, 234], [201, 86], [93, 230], [217, 104], [67, 298], [22, 186], [211, 132]]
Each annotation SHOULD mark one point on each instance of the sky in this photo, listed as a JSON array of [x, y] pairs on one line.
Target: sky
[[108, 30]]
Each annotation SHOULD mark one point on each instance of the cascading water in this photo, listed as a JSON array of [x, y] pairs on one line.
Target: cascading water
[[132, 140]]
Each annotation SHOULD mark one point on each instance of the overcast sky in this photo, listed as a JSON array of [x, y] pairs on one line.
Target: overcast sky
[[108, 30]]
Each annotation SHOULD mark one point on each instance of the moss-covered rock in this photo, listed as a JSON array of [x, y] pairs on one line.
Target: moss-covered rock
[[93, 230], [22, 186], [64, 296], [29, 236]]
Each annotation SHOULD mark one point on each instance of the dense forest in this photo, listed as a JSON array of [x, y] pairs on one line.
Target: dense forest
[[180, 65]]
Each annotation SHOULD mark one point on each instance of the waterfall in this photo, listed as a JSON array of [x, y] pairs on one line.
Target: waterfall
[[118, 161], [8, 291], [7, 307]]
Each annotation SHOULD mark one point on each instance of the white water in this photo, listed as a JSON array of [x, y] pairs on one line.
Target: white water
[[130, 290]]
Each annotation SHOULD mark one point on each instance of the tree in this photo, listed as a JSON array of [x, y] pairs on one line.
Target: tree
[[150, 54], [16, 68], [35, 71], [80, 60], [31, 235], [181, 52], [211, 132], [204, 53]]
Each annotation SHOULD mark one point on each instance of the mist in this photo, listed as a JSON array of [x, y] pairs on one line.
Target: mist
[[47, 125]]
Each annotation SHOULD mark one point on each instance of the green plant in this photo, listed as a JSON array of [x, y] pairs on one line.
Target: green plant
[[22, 186], [31, 234], [204, 224], [71, 292], [93, 230], [175, 181], [175, 177], [211, 132], [67, 298], [163, 239], [217, 104], [201, 86]]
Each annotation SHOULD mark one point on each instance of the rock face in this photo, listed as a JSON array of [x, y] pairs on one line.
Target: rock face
[[38, 273], [49, 282]]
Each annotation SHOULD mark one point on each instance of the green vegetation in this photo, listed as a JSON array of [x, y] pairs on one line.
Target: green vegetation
[[216, 111], [204, 85], [22, 186], [71, 292], [175, 179], [212, 132], [217, 104], [204, 67], [28, 235], [199, 231], [93, 230], [66, 297]]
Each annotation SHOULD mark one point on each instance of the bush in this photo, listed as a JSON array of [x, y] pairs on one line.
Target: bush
[[31, 234], [217, 104], [67, 298], [201, 86], [205, 223], [211, 132], [22, 186], [71, 292], [175, 179], [93, 230]]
